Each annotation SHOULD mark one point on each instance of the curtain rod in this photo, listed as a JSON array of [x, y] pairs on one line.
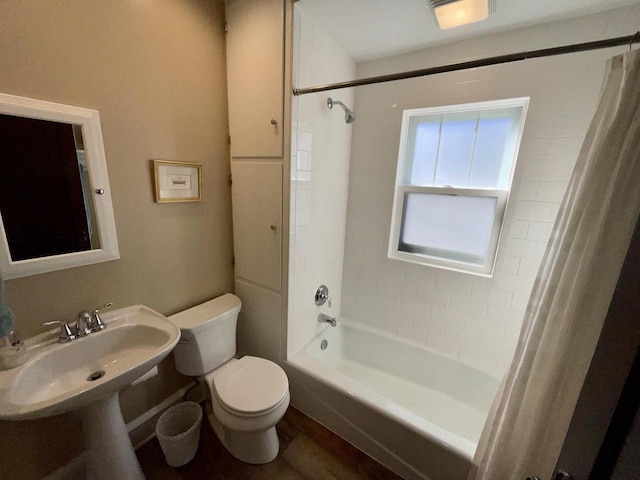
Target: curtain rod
[[512, 57]]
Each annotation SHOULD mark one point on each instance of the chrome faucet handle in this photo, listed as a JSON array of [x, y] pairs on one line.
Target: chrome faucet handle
[[97, 323], [83, 324], [66, 335], [322, 296]]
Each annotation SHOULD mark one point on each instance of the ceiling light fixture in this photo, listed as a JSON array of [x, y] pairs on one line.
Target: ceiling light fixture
[[453, 13]]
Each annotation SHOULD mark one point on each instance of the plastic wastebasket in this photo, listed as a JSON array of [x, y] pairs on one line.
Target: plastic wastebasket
[[178, 431]]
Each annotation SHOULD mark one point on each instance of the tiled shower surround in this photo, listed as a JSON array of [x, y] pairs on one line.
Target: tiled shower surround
[[470, 317], [321, 147], [474, 318]]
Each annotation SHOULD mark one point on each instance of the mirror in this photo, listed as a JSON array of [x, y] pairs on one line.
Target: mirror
[[55, 202]]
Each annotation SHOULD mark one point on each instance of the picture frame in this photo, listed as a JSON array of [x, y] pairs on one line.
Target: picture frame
[[177, 181]]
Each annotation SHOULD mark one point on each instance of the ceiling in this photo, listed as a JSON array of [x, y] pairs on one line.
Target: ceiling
[[369, 29]]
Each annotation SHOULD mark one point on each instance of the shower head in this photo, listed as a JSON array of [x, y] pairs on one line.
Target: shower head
[[349, 115]]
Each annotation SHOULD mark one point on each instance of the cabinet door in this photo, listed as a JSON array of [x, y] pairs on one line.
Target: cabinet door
[[255, 76], [257, 220]]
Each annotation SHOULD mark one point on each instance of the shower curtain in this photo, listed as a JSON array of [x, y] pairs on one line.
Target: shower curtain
[[573, 289]]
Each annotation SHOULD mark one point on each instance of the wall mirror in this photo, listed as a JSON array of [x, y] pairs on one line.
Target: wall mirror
[[55, 201]]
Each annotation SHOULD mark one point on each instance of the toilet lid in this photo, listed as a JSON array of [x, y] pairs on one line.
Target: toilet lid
[[251, 385]]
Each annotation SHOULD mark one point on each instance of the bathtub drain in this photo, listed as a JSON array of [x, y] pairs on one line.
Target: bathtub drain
[[323, 345]]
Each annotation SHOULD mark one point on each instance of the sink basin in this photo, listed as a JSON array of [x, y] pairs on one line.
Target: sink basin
[[62, 377]]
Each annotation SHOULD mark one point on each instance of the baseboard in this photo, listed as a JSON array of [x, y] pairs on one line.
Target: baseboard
[[142, 429]]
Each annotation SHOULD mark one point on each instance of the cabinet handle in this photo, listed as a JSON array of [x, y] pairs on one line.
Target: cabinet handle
[[274, 228], [274, 121]]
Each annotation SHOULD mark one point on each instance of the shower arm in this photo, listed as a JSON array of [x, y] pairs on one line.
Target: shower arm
[[349, 115], [331, 103]]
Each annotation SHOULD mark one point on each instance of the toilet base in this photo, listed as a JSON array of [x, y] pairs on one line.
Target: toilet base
[[250, 447]]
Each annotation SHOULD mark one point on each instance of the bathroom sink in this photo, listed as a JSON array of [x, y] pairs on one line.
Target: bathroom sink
[[62, 377]]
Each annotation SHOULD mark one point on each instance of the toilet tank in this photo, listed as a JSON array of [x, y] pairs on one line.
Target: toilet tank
[[208, 335]]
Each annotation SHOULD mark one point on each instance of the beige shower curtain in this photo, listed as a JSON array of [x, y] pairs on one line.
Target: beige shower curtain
[[572, 292]]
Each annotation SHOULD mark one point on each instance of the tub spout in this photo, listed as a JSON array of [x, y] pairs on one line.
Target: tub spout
[[324, 318]]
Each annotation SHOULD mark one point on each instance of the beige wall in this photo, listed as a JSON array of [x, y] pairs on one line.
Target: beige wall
[[155, 70]]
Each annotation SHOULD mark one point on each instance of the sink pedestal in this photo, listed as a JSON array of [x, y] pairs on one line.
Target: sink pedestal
[[110, 454]]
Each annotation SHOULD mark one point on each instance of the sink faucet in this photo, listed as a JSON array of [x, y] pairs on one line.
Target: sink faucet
[[96, 322], [324, 318], [83, 324], [88, 322], [66, 334]]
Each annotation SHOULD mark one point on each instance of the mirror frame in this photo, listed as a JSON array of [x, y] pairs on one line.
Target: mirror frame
[[89, 120]]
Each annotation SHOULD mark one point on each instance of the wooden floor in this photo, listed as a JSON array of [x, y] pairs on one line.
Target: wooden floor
[[308, 451]]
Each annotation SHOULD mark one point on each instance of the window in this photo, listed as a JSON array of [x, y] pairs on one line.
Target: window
[[455, 167]]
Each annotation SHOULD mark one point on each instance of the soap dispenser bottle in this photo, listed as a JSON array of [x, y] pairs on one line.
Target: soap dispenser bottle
[[13, 351]]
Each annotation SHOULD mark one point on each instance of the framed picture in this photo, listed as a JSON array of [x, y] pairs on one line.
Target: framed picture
[[177, 181]]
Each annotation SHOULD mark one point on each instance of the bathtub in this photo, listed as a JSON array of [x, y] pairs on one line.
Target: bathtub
[[416, 411]]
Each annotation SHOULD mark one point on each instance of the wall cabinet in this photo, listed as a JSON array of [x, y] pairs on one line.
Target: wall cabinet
[[255, 76], [256, 195], [257, 31]]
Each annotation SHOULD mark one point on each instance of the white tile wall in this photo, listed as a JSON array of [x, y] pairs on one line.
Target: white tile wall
[[321, 145], [470, 317]]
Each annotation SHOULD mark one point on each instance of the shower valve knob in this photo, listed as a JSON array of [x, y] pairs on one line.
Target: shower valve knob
[[322, 296]]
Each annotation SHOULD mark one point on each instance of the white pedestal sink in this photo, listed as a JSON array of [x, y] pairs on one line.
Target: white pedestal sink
[[86, 375]]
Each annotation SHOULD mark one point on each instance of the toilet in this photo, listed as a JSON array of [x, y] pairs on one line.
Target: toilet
[[246, 396]]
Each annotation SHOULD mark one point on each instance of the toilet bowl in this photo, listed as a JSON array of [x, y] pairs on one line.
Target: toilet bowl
[[246, 397]]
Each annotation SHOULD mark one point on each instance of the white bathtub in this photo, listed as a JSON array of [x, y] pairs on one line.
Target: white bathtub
[[414, 410]]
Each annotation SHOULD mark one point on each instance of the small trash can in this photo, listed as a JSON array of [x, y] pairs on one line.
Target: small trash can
[[178, 431]]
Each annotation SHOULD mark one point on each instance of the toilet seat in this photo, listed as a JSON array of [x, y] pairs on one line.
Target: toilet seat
[[250, 386]]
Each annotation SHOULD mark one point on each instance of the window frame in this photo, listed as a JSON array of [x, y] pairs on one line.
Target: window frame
[[502, 196]]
